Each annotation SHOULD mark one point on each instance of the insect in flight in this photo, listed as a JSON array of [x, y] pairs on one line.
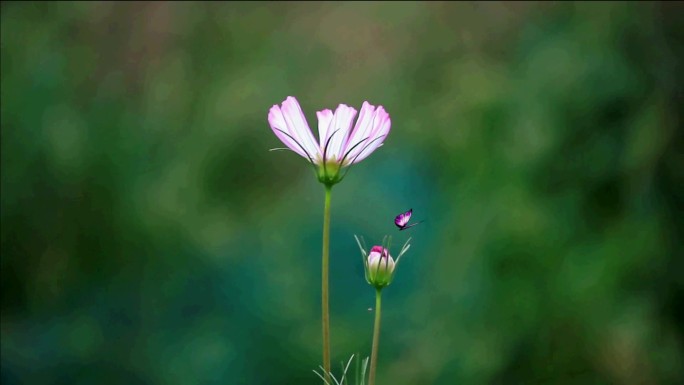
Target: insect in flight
[[402, 220]]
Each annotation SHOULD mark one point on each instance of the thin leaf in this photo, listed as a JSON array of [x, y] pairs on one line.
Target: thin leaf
[[404, 249], [344, 371], [321, 377], [363, 370], [335, 379], [362, 246]]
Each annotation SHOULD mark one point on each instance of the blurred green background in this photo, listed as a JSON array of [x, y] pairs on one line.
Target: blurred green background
[[149, 237]]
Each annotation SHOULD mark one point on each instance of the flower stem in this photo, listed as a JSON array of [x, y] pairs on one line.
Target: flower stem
[[376, 338], [324, 287]]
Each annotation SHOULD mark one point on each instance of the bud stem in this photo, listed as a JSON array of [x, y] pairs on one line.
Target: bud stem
[[376, 337], [324, 286]]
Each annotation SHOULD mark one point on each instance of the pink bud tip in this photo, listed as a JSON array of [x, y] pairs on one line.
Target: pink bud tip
[[377, 249]]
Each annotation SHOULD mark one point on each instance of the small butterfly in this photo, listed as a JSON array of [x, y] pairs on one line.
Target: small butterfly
[[402, 219]]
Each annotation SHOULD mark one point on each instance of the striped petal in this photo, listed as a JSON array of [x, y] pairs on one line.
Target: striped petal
[[280, 128], [298, 127], [325, 119], [376, 130], [340, 129]]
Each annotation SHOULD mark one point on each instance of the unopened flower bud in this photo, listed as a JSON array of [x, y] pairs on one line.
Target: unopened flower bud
[[380, 267]]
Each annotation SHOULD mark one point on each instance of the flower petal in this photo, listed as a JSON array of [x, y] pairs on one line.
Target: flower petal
[[379, 131], [355, 143], [299, 128], [277, 122], [340, 129], [325, 118]]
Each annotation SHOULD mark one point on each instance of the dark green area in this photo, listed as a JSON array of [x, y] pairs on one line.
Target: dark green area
[[150, 237]]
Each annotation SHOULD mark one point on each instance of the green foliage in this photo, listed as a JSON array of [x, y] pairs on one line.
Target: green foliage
[[150, 237]]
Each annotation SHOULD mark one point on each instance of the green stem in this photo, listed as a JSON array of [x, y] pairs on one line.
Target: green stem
[[376, 338], [324, 287]]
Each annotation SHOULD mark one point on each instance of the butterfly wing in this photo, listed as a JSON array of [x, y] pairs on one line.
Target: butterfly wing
[[409, 226], [402, 219]]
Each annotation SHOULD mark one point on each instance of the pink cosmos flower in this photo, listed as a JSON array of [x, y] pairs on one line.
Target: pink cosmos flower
[[339, 143]]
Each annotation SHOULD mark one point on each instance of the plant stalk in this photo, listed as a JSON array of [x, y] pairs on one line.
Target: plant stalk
[[376, 337], [324, 284]]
